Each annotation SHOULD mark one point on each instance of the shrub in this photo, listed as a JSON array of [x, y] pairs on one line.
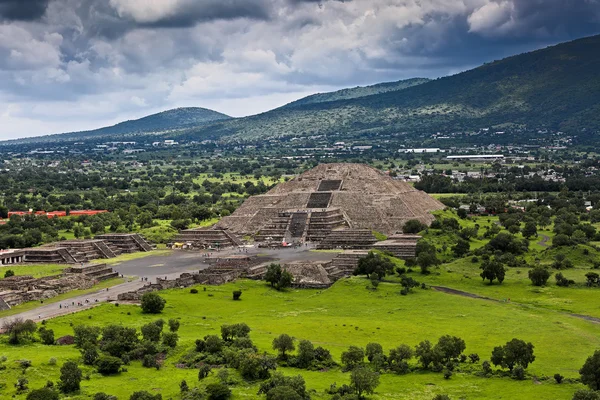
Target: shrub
[[539, 276], [9, 273], [474, 357], [70, 377], [52, 361], [203, 371], [218, 391], [149, 361], [558, 378], [143, 395], [42, 394], [46, 335], [152, 303], [173, 325], [193, 291], [170, 339], [107, 365], [518, 373], [237, 294], [103, 396]]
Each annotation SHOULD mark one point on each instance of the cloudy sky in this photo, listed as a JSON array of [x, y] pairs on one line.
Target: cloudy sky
[[68, 65]]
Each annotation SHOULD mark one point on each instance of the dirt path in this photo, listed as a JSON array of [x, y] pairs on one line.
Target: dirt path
[[544, 241], [476, 296]]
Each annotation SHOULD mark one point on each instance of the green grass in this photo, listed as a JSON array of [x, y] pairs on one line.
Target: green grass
[[35, 270], [346, 314], [134, 256]]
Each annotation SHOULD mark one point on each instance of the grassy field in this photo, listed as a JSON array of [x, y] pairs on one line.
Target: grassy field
[[346, 314]]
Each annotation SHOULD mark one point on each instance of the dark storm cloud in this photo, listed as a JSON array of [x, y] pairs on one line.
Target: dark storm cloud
[[558, 17], [22, 10]]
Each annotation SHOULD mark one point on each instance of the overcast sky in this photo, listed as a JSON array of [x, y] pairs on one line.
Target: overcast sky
[[68, 65]]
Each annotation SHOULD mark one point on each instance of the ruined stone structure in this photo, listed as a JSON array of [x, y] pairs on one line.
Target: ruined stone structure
[[401, 246], [126, 242], [11, 257], [20, 289], [344, 264], [306, 274], [348, 239], [329, 198]]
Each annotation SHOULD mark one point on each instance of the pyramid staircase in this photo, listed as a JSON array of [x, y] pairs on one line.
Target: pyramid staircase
[[348, 239]]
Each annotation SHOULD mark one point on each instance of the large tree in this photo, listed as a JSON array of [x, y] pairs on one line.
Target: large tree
[[363, 380], [70, 377], [283, 343], [590, 372], [492, 270], [515, 352]]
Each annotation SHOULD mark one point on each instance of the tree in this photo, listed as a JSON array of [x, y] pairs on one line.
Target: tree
[[530, 230], [590, 372], [539, 276], [17, 329], [362, 380], [170, 339], [283, 393], [173, 325], [152, 303], [491, 270], [515, 352], [70, 377], [424, 352], [85, 334], [561, 240], [231, 332], [461, 247], [89, 353], [151, 332], [374, 263], [413, 226], [256, 366], [42, 394], [283, 343], [353, 357], [46, 335], [408, 283], [583, 394], [449, 347], [372, 350], [278, 278], [108, 365], [218, 391], [398, 358], [306, 353], [425, 260]]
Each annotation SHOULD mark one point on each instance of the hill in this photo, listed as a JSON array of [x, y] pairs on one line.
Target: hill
[[557, 87], [359, 91], [166, 121]]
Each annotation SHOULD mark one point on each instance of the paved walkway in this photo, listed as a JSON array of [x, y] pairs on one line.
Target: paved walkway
[[169, 266]]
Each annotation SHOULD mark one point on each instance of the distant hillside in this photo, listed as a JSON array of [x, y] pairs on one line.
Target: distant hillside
[[171, 120], [359, 91], [557, 87]]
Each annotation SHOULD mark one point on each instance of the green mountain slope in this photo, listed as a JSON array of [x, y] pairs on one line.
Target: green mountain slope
[[166, 121], [359, 91], [557, 87]]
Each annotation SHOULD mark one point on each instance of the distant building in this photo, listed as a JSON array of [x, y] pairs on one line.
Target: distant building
[[476, 157], [424, 150]]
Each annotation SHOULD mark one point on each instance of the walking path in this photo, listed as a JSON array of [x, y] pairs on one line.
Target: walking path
[[476, 296]]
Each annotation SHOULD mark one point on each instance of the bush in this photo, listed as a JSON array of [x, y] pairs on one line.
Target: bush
[[42, 394], [539, 276], [46, 335], [558, 378], [152, 303], [518, 373], [107, 365], [70, 377], [103, 396], [237, 294], [194, 291], [149, 361], [143, 395], [562, 281], [173, 325], [218, 391], [583, 394], [170, 339], [9, 273]]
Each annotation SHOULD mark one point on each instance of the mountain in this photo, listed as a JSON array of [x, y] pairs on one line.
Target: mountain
[[163, 122], [557, 87], [359, 91]]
